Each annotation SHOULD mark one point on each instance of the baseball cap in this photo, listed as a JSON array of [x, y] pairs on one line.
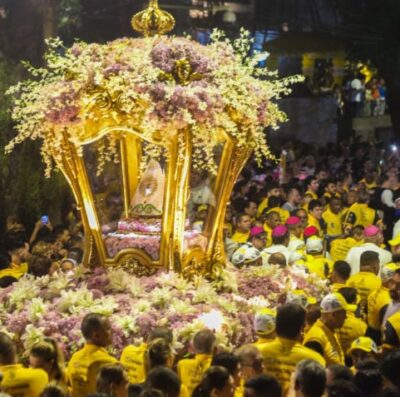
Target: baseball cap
[[310, 231], [395, 241], [389, 270], [256, 230], [314, 244], [293, 220], [365, 344], [279, 231], [371, 231], [333, 303], [265, 322], [245, 254]]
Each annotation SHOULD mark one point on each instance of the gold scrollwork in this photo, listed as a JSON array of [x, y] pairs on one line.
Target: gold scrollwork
[[182, 73], [194, 264], [133, 266]]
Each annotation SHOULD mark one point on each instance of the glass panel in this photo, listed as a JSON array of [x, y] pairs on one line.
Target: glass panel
[[137, 223], [201, 204]]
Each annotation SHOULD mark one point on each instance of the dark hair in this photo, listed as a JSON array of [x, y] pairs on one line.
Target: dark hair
[[59, 229], [164, 379], [214, 378], [158, 352], [49, 351], [134, 390], [310, 378], [46, 235], [240, 216], [6, 281], [363, 197], [92, 322], [53, 390], [109, 375], [226, 360], [313, 204], [76, 254], [390, 367], [161, 332], [343, 388], [264, 386], [341, 372], [358, 229], [39, 265], [290, 320], [204, 341], [15, 240], [150, 392], [274, 201], [280, 239], [5, 260], [350, 294], [7, 349], [369, 381], [369, 258], [309, 179], [342, 268]]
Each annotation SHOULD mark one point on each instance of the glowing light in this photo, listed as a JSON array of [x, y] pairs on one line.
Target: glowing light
[[212, 320]]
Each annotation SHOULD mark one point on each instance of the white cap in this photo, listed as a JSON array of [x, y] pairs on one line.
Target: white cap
[[314, 244]]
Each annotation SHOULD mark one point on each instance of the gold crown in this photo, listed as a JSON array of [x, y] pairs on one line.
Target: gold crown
[[153, 21]]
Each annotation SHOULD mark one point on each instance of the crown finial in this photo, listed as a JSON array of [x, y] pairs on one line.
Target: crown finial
[[153, 21]]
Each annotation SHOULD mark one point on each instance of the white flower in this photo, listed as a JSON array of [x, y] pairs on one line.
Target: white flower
[[31, 336], [258, 303], [135, 287], [181, 306], [76, 300], [160, 296], [143, 305], [105, 305], [119, 280], [37, 307], [126, 323], [187, 332], [57, 284], [214, 320], [24, 290], [205, 293]]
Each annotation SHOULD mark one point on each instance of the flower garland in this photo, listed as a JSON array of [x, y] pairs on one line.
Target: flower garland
[[177, 83], [54, 306]]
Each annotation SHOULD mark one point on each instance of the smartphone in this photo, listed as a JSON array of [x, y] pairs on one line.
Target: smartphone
[[45, 219]]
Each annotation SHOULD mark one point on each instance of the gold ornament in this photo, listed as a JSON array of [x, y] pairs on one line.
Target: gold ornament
[[153, 21]]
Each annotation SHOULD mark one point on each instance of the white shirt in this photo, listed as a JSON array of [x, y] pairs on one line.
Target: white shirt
[[267, 252], [353, 256]]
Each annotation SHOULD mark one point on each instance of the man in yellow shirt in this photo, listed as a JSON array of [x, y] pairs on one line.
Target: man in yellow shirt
[[331, 217], [312, 185], [264, 326], [273, 190], [353, 327], [362, 349], [360, 213], [316, 262], [18, 250], [341, 246], [191, 370], [283, 354], [132, 357], [322, 336], [340, 274], [243, 226], [315, 216], [272, 220], [378, 301], [16, 380], [366, 280], [86, 363]]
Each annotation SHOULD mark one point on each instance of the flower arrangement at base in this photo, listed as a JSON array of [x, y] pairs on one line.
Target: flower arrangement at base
[[158, 85], [56, 305]]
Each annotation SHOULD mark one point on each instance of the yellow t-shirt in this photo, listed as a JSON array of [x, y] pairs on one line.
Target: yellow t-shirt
[[391, 332], [352, 329], [22, 382], [268, 231], [319, 265], [341, 246], [84, 367], [15, 271], [333, 223], [284, 214], [262, 206], [261, 341], [364, 283], [132, 359], [191, 370], [320, 333], [281, 357], [239, 237], [335, 287], [361, 214], [377, 300], [313, 221]]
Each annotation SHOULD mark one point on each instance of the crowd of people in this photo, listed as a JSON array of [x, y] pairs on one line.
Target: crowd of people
[[333, 213]]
